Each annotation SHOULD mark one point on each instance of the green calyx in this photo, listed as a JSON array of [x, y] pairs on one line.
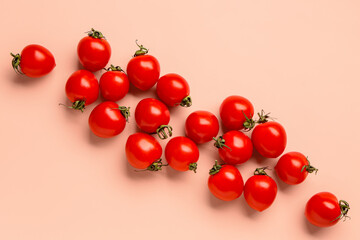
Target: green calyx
[[250, 122], [16, 63], [141, 51], [220, 142], [344, 208], [125, 111], [193, 167], [95, 34], [156, 166], [114, 68], [77, 105], [261, 171], [215, 169], [186, 102], [309, 168], [263, 117], [162, 133]]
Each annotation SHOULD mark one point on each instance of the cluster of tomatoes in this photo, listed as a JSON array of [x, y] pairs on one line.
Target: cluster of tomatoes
[[143, 151]]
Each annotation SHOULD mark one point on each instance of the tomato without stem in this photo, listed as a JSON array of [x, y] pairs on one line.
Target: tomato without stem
[[201, 126], [94, 51], [174, 90], [324, 210], [225, 182], [34, 61], [114, 84], [182, 154]]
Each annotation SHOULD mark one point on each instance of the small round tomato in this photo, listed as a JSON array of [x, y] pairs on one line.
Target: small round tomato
[[260, 190], [201, 126], [234, 147], [293, 167], [144, 152], [152, 116], [82, 89], [34, 61], [324, 210], [108, 119], [182, 154], [143, 70], [236, 112], [174, 90], [94, 51], [225, 182], [114, 84]]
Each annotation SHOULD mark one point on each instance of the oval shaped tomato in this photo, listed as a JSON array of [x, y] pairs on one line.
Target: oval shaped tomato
[[324, 210], [108, 119], [225, 182], [269, 139], [114, 84], [34, 61], [235, 111], [260, 190], [152, 116], [144, 152], [82, 89], [143, 70], [293, 167], [174, 90], [182, 154], [94, 51], [234, 147], [201, 126]]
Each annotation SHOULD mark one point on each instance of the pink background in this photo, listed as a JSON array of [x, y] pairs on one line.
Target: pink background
[[297, 59]]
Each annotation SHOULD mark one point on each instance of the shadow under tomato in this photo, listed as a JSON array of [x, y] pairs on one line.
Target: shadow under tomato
[[311, 229], [281, 185], [176, 175], [218, 203], [134, 173], [24, 80], [245, 208], [97, 141]]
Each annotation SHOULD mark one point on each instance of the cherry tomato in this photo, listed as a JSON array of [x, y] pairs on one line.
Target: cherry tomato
[[152, 116], [182, 154], [293, 167], [144, 152], [260, 190], [82, 89], [225, 182], [201, 126], [174, 90], [269, 139], [143, 70], [235, 111], [108, 119], [324, 210], [34, 61], [94, 51], [234, 147], [114, 84]]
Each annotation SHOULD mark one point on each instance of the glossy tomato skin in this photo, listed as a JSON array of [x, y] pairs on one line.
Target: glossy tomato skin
[[114, 85], [106, 120], [240, 145], [291, 168], [143, 71], [172, 89], [150, 114], [227, 184], [323, 209], [142, 150], [201, 126], [82, 85], [94, 53], [180, 152], [232, 111], [269, 139], [260, 192], [36, 61]]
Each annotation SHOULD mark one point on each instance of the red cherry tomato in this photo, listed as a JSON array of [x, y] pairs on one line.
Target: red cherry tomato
[[260, 190], [293, 167], [152, 116], [201, 126], [34, 61], [114, 84], [108, 119], [235, 111], [269, 139], [173, 90], [82, 89], [143, 70], [324, 210], [182, 154], [94, 51], [144, 152], [225, 182], [234, 147]]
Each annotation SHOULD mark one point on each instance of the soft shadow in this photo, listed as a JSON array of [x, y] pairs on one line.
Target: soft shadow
[[249, 212], [311, 229], [217, 203], [282, 186], [133, 173], [176, 175], [27, 81], [97, 141], [140, 93]]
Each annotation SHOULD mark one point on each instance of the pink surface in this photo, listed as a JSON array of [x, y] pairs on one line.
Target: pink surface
[[297, 59]]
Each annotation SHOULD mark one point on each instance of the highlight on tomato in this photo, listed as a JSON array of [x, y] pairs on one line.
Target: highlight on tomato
[[34, 61], [114, 84], [201, 126]]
